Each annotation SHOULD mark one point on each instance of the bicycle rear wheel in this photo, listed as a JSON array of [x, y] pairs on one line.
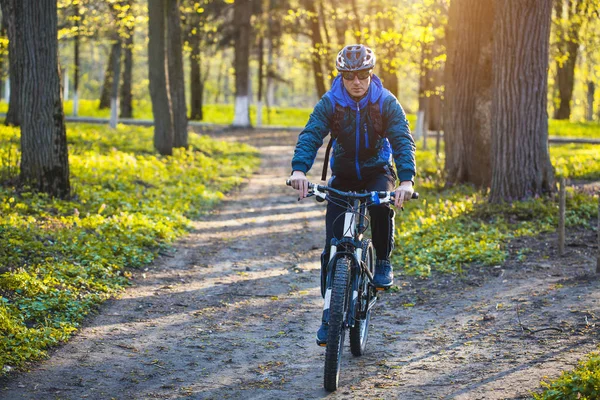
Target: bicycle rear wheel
[[360, 331], [340, 292]]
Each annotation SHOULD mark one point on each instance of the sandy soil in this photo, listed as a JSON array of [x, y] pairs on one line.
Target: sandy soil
[[232, 314]]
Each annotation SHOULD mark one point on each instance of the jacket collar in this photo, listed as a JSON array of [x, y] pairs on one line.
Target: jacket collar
[[339, 94]]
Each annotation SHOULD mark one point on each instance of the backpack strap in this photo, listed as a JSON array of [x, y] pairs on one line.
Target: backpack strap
[[336, 127]]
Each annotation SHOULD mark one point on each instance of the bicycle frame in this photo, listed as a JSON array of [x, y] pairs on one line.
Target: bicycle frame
[[351, 248]]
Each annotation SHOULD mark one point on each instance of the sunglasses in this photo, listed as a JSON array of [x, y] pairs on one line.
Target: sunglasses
[[349, 76]]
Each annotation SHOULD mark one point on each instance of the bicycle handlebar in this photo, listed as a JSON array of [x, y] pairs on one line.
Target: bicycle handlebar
[[368, 195]]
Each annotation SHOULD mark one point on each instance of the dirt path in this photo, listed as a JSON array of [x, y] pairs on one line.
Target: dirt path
[[233, 313]]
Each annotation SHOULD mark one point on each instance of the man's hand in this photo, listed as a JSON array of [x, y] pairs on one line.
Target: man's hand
[[403, 193], [300, 183]]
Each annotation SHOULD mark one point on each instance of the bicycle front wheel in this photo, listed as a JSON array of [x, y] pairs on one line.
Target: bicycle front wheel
[[340, 292], [359, 333]]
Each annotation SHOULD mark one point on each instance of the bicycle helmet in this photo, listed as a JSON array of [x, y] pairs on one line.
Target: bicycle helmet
[[355, 57]]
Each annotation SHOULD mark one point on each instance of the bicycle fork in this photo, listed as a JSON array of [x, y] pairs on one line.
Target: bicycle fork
[[349, 234]]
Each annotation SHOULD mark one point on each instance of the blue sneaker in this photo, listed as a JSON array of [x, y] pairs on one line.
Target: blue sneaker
[[322, 334], [384, 277]]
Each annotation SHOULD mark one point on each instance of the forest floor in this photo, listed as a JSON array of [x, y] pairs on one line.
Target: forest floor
[[232, 314]]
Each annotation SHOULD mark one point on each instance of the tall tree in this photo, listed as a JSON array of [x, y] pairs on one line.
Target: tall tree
[[15, 69], [44, 157], [317, 46], [520, 158], [158, 77], [126, 97], [76, 61], [468, 84], [569, 17], [113, 58], [242, 11], [176, 80]]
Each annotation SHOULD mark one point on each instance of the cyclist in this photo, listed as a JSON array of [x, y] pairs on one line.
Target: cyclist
[[369, 131]]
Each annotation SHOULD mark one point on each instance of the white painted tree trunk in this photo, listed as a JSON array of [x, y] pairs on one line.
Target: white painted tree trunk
[[259, 110], [241, 118], [114, 112], [420, 124], [75, 104], [7, 90], [66, 86]]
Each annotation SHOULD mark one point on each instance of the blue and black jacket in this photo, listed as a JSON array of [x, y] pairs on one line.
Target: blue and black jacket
[[359, 148]]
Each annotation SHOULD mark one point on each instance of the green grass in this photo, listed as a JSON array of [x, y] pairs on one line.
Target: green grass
[[59, 259], [448, 229], [213, 113], [576, 161], [581, 383], [590, 130]]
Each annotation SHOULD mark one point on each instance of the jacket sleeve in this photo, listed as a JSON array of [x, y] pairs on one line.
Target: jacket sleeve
[[403, 144], [312, 136]]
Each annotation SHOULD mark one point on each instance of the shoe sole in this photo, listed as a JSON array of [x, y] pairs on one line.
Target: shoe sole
[[382, 288]]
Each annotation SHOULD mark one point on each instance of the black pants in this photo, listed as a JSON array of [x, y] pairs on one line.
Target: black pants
[[381, 216]]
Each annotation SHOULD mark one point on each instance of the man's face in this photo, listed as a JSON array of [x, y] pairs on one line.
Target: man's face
[[357, 87]]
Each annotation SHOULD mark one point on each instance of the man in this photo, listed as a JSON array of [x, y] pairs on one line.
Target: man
[[370, 131]]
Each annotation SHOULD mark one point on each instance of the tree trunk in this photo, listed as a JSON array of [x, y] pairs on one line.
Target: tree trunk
[[568, 26], [468, 82], [15, 68], [114, 92], [44, 155], [4, 49], [76, 62], [357, 26], [159, 81], [126, 100], [176, 78], [565, 80], [108, 76], [317, 43], [520, 158], [195, 79], [591, 90], [387, 50], [340, 27], [259, 103], [241, 15]]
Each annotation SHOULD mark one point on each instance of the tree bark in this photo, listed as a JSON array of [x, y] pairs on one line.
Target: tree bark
[[126, 98], [115, 49], [242, 13], [195, 79], [317, 43], [340, 27], [44, 156], [159, 81], [567, 28], [565, 80], [387, 51], [15, 68], [591, 90], [468, 83], [520, 157], [76, 62], [176, 78], [114, 92]]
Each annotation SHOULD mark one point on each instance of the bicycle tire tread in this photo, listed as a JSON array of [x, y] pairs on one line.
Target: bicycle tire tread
[[335, 335]]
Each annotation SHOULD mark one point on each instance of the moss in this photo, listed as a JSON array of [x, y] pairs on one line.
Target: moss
[[60, 258]]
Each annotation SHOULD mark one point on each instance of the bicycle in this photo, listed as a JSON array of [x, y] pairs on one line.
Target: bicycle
[[350, 293]]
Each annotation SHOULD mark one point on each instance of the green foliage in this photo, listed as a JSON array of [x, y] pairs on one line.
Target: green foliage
[[576, 161], [581, 383], [447, 229], [59, 259], [561, 128]]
